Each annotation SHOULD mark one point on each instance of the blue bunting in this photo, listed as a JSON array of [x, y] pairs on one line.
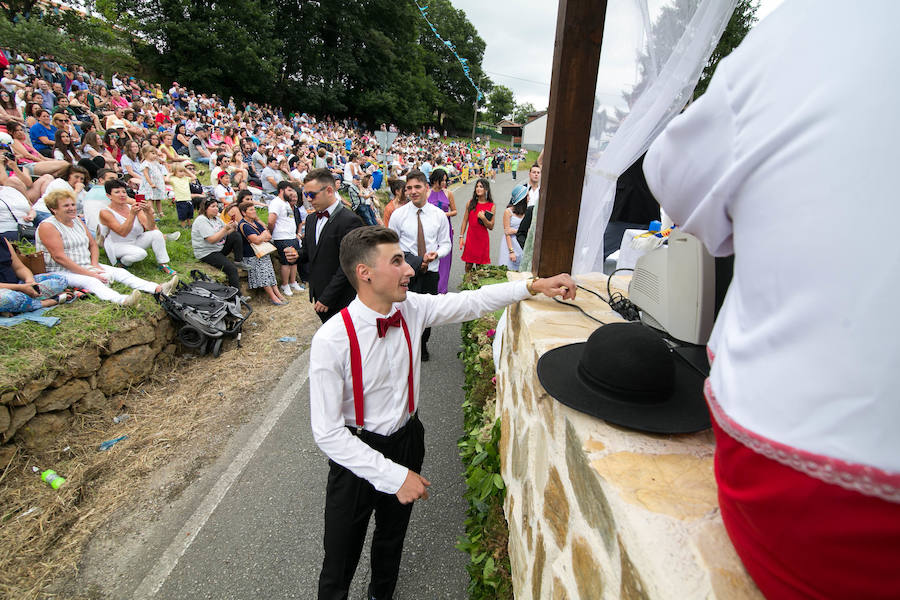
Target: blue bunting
[[462, 61]]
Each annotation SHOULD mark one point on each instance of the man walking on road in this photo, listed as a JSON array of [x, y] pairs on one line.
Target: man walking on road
[[424, 233], [328, 286], [363, 379]]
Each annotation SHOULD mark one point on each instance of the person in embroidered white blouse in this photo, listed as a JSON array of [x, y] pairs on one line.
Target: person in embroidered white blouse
[[803, 384], [365, 420]]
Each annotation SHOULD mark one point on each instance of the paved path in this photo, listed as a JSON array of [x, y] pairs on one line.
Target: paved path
[[251, 527]]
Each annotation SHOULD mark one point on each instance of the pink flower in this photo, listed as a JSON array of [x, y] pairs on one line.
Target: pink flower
[[491, 333], [494, 380]]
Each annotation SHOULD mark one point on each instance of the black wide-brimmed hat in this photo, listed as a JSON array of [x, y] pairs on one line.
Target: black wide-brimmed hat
[[627, 375]]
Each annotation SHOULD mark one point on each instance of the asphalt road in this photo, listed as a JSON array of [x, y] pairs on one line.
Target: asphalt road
[[251, 526]]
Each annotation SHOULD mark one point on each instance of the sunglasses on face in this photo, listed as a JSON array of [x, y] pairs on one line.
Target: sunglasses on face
[[312, 195]]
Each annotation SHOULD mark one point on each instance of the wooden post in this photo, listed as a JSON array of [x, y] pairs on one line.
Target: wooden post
[[573, 87]]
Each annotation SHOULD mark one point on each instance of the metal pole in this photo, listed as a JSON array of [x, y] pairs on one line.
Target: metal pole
[[474, 119]]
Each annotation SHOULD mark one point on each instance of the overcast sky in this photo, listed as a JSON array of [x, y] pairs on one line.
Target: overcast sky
[[519, 35]]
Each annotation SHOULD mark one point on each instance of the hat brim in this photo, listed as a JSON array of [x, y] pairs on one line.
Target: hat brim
[[683, 411]]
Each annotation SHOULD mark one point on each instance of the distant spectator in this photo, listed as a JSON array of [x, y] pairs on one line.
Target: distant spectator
[[153, 178], [284, 228], [197, 146], [260, 272], [42, 134], [212, 240]]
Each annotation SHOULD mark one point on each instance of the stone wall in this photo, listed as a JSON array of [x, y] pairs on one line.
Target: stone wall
[[594, 510], [84, 381]]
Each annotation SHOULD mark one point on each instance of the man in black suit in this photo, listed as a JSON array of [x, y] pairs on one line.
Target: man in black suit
[[323, 232]]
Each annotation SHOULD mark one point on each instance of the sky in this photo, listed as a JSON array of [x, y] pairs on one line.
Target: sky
[[520, 33]]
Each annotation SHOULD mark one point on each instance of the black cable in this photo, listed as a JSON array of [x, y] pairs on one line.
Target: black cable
[[619, 303], [581, 310]]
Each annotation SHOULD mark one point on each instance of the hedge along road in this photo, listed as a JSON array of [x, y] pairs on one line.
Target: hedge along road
[[251, 526]]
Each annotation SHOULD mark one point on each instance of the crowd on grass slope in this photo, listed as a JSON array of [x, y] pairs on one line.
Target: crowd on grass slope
[[90, 164]]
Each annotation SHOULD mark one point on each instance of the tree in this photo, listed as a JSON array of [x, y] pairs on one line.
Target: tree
[[500, 103], [521, 112], [742, 20]]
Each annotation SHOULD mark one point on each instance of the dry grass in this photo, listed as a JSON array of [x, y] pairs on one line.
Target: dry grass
[[183, 410]]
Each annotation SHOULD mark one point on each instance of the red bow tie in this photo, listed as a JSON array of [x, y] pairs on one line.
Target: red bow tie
[[384, 324], [322, 214]]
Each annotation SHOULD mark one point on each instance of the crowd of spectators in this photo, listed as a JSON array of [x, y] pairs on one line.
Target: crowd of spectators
[[122, 148]]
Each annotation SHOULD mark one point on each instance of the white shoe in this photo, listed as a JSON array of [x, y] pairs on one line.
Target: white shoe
[[132, 299], [173, 236], [168, 286], [296, 286], [286, 290]]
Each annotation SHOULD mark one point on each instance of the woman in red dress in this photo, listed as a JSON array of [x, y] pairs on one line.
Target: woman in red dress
[[476, 246]]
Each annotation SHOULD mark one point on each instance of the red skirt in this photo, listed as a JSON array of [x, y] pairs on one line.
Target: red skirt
[[800, 537]]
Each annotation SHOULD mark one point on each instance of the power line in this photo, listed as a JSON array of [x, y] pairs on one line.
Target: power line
[[519, 78]]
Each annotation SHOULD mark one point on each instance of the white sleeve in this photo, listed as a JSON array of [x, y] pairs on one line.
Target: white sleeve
[[687, 167], [326, 394], [465, 306]]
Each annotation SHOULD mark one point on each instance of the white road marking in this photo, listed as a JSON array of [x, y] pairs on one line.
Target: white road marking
[[299, 370]]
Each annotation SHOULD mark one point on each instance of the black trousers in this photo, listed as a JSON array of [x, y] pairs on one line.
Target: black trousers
[[233, 243], [350, 501], [425, 283]]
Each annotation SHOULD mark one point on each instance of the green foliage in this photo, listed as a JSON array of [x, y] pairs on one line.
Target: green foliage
[[521, 112], [500, 103], [487, 534], [374, 59], [742, 20], [90, 43]]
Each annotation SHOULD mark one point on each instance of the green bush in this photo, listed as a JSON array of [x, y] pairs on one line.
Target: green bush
[[487, 534]]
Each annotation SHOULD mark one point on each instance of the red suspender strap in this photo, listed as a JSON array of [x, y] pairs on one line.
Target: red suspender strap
[[412, 395], [356, 368]]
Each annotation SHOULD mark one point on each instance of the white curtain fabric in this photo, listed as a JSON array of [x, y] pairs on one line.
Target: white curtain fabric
[[652, 56]]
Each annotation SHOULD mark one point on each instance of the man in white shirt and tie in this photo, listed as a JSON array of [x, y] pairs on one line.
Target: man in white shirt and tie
[[424, 237], [363, 382]]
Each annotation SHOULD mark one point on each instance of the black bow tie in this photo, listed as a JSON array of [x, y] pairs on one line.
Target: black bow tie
[[385, 324]]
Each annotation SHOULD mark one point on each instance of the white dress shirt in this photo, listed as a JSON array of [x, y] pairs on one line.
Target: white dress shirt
[[385, 367], [435, 226], [806, 346], [320, 223]]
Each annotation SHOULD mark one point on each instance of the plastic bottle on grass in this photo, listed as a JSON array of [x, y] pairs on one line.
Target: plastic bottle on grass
[[52, 478]]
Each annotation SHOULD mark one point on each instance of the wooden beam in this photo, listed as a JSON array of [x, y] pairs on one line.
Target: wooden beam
[[573, 86]]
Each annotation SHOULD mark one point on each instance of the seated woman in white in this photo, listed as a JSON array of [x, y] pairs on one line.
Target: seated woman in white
[[71, 251], [129, 229]]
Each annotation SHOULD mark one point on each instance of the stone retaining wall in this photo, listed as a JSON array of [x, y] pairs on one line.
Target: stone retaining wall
[[596, 511], [84, 382]]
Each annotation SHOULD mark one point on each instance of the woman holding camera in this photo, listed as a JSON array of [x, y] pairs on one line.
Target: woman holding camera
[[129, 229], [474, 239], [212, 239]]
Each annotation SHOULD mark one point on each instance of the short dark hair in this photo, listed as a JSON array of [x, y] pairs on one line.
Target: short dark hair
[[323, 176], [283, 185], [243, 194], [358, 245], [436, 176], [243, 206], [113, 184], [417, 174]]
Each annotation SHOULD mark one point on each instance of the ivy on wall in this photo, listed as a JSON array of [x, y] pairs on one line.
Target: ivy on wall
[[487, 534]]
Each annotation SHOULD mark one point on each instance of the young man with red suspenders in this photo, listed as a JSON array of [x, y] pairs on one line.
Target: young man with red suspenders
[[364, 381]]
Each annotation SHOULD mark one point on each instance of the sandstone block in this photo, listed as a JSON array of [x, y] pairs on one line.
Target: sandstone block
[[4, 418], [537, 573], [504, 442], [18, 416], [586, 569], [144, 333], [124, 368], [520, 452], [84, 363], [556, 508], [60, 379], [632, 587], [63, 397], [588, 491], [678, 485], [93, 401], [728, 577], [8, 397], [42, 431], [165, 332], [559, 590]]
